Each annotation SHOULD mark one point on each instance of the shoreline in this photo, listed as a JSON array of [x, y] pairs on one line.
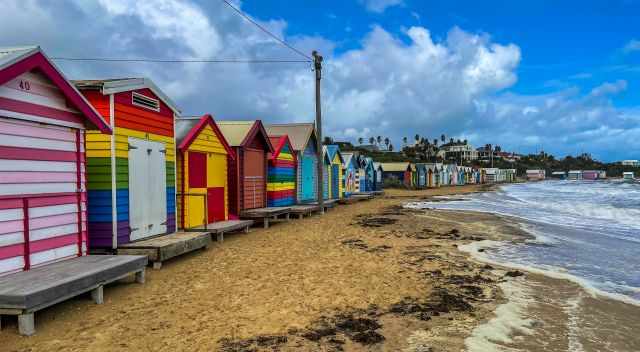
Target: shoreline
[[371, 276]]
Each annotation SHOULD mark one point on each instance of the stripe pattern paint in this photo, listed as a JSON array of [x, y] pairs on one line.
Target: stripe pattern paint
[[129, 121], [281, 177], [42, 194]]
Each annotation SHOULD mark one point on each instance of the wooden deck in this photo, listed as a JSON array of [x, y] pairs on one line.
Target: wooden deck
[[302, 210], [328, 203], [221, 227], [26, 292], [348, 200], [159, 249], [266, 214]]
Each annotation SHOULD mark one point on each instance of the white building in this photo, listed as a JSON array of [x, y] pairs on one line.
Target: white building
[[634, 163]]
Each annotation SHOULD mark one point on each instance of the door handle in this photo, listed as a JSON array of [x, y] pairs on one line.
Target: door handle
[[131, 229]]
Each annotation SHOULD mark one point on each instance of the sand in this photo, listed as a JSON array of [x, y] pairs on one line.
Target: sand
[[325, 283]]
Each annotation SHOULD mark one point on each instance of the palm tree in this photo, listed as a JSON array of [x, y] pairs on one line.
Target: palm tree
[[451, 140], [390, 147], [386, 142], [435, 142], [379, 140], [404, 140], [371, 140], [417, 137], [443, 138], [360, 140]]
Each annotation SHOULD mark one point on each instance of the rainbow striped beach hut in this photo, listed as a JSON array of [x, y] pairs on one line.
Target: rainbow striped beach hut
[[281, 173]]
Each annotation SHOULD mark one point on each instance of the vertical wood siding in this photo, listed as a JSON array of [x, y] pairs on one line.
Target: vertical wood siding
[[308, 174]]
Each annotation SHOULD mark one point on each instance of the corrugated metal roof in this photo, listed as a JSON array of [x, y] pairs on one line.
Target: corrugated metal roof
[[299, 133], [392, 167], [235, 131], [10, 55], [118, 85]]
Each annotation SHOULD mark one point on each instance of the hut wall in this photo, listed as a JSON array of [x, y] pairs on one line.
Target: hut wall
[[210, 184], [307, 188], [109, 155], [42, 175], [281, 186]]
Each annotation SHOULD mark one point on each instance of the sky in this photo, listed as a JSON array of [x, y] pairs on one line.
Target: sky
[[558, 76]]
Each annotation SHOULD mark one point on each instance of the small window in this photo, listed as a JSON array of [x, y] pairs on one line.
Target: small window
[[145, 102]]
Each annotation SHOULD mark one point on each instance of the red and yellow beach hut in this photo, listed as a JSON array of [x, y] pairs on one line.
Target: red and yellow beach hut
[[42, 162], [203, 159], [281, 173]]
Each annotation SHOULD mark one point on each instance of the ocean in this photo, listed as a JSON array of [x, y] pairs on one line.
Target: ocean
[[584, 231], [582, 254]]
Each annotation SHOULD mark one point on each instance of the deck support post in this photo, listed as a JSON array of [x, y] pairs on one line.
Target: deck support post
[[97, 294], [140, 276], [220, 237], [286, 216], [26, 324], [157, 265], [246, 229], [266, 222]]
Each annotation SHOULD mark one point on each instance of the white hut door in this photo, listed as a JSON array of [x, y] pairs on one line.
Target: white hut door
[[147, 189]]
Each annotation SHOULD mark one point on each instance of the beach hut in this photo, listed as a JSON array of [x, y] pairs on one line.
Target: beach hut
[[561, 175], [628, 176], [399, 171], [349, 174], [248, 171], [42, 162], [536, 175], [203, 159], [421, 175], [574, 175], [369, 174], [491, 175], [281, 175], [379, 172], [131, 175], [303, 141], [335, 171], [462, 172], [590, 175]]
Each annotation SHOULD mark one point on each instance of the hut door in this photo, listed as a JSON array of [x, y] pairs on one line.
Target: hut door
[[215, 204], [335, 181], [308, 172], [147, 189], [254, 180]]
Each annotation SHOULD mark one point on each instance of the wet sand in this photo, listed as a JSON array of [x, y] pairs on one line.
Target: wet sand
[[370, 276]]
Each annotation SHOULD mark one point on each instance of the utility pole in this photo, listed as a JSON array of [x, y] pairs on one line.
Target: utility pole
[[317, 66]]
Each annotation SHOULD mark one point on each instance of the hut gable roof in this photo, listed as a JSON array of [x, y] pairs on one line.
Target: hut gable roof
[[299, 133], [119, 85], [378, 166], [334, 150], [279, 143], [18, 60], [241, 133], [348, 160], [187, 130], [395, 167]]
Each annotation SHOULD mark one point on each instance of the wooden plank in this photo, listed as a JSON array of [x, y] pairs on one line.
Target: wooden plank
[[46, 285], [228, 226], [159, 249], [264, 212]]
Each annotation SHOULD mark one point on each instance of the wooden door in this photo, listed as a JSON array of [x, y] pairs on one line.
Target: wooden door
[[308, 178], [215, 204], [254, 179], [335, 181], [147, 189]]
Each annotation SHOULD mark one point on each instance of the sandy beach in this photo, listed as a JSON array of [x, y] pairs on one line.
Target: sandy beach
[[371, 276]]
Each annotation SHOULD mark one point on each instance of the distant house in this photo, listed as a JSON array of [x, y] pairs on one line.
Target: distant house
[[561, 175], [634, 163], [628, 176], [536, 175]]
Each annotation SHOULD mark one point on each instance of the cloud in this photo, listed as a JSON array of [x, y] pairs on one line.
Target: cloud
[[632, 45], [392, 85], [582, 75], [379, 6]]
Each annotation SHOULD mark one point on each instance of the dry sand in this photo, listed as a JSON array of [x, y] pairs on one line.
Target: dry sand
[[325, 283]]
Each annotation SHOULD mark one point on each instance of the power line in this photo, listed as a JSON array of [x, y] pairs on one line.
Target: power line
[[266, 31], [232, 61]]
